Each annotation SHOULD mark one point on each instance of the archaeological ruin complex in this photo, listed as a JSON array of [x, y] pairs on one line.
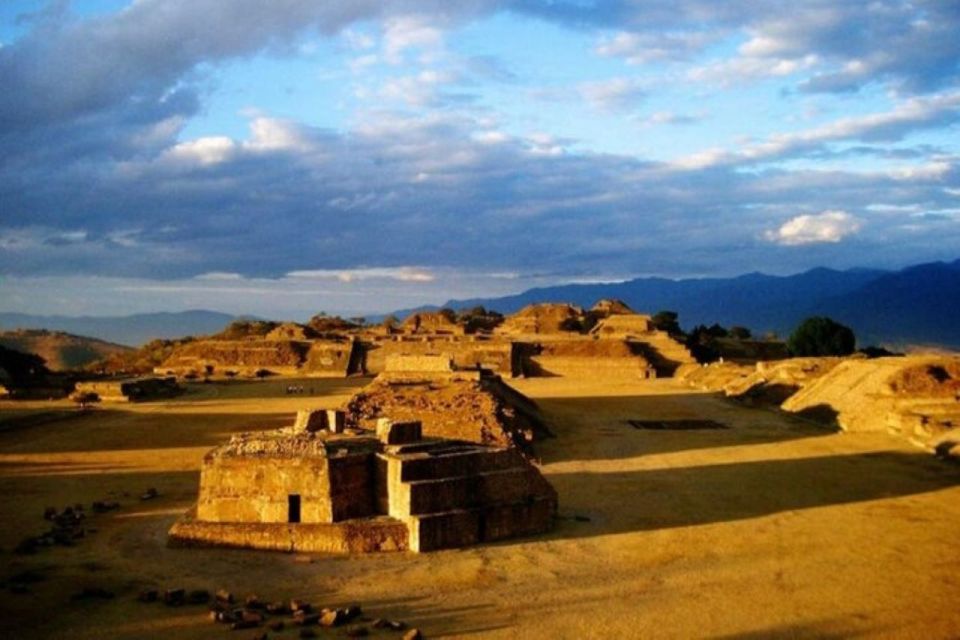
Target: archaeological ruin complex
[[323, 486], [539, 340]]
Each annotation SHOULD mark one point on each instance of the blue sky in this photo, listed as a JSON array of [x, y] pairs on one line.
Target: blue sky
[[286, 157]]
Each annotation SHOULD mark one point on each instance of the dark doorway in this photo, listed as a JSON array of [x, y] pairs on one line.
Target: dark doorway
[[293, 508]]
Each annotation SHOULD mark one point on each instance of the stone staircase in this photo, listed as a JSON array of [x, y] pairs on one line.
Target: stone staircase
[[456, 494], [662, 351]]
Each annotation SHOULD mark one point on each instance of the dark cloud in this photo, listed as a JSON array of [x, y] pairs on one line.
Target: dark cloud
[[427, 191]]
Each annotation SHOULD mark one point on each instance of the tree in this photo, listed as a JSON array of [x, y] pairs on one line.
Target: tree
[[740, 333], [390, 322], [667, 321], [821, 336]]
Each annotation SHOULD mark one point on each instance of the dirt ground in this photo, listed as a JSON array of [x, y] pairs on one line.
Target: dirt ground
[[772, 528]]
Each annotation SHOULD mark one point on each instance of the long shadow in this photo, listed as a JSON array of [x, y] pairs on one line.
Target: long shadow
[[183, 421], [271, 388], [621, 502], [597, 428], [111, 429]]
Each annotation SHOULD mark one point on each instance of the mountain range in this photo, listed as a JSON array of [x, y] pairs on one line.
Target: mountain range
[[132, 330], [918, 305]]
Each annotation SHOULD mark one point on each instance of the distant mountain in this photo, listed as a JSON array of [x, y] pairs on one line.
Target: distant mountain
[[132, 330], [917, 305], [60, 351]]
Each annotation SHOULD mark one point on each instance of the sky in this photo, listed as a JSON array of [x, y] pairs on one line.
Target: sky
[[357, 156]]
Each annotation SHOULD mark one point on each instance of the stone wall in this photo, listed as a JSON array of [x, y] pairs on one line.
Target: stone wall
[[366, 536], [499, 356], [587, 367], [330, 358], [129, 390], [256, 489], [242, 356]]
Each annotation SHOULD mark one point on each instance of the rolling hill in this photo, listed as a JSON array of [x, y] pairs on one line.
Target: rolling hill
[[61, 351]]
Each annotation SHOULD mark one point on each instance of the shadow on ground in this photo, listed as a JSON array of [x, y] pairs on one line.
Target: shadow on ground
[[584, 433], [698, 495]]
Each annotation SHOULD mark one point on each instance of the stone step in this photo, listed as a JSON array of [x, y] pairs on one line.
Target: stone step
[[490, 487], [435, 465], [462, 527]]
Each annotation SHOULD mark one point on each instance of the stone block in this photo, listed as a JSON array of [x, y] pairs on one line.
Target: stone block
[[390, 432]]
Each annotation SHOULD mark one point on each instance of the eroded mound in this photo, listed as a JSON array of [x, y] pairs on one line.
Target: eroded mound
[[476, 408], [935, 380]]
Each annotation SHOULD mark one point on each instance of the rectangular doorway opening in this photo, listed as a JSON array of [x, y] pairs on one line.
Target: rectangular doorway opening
[[293, 508]]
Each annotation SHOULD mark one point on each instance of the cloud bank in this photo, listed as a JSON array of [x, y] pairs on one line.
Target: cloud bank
[[99, 176]]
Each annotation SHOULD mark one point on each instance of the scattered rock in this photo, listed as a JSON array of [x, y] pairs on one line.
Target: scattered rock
[[413, 634], [148, 595], [174, 597], [300, 605], [278, 609], [306, 619], [103, 506], [93, 593], [149, 494], [198, 596], [243, 624], [252, 616], [333, 617]]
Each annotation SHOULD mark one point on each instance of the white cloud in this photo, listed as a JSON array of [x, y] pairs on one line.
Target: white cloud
[[418, 90], [208, 150], [409, 32], [403, 274], [909, 115], [272, 134], [644, 47], [614, 94], [217, 276], [669, 118], [743, 69], [824, 227]]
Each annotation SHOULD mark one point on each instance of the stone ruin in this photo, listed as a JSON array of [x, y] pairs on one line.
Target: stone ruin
[[285, 351], [321, 487], [473, 405], [432, 323], [542, 318], [519, 346], [128, 390]]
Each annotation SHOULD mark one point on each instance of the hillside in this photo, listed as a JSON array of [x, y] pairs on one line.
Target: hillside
[[61, 351], [132, 330], [917, 305]]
